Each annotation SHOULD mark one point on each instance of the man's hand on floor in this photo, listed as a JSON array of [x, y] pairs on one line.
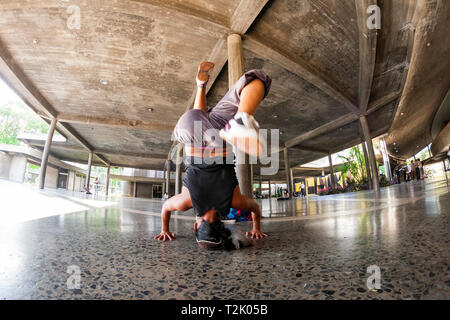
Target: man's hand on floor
[[256, 234], [166, 236]]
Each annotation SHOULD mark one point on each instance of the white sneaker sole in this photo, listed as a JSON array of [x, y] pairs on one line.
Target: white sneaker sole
[[251, 145]]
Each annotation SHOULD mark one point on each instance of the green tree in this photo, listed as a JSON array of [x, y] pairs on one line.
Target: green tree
[[16, 118], [9, 126], [355, 164]]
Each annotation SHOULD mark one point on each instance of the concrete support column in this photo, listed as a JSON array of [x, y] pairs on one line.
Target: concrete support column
[[333, 182], [178, 172], [366, 160], [108, 171], [371, 152], [287, 169], [252, 182], [386, 160], [235, 71], [270, 190], [5, 164], [18, 168], [74, 180], [88, 176], [45, 153], [292, 181], [260, 185], [167, 176], [235, 59], [323, 172], [135, 189], [445, 171]]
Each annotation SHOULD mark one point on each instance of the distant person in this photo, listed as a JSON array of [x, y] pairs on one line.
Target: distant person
[[422, 173], [413, 169], [87, 190], [96, 186], [397, 174], [408, 171], [417, 169], [302, 189]]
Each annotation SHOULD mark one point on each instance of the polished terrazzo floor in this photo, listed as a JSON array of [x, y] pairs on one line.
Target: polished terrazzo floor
[[319, 248]]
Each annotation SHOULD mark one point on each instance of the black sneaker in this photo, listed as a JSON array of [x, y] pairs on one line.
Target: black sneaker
[[210, 236], [214, 236]]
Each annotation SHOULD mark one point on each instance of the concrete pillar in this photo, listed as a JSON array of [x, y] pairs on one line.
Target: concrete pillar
[[235, 59], [292, 180], [74, 180], [88, 175], [51, 178], [333, 182], [371, 152], [366, 160], [18, 168], [252, 182], [387, 162], [45, 153], [287, 169], [235, 71], [108, 171], [323, 172], [178, 172], [167, 176], [260, 186], [135, 190], [445, 171], [5, 163], [270, 190]]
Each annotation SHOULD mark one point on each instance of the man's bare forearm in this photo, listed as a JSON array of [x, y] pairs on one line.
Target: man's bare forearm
[[165, 220], [200, 99], [256, 215]]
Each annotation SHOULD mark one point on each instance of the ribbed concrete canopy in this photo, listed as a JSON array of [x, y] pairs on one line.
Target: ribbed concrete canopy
[[119, 83]]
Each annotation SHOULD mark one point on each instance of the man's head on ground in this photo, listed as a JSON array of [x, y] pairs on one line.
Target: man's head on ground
[[211, 234]]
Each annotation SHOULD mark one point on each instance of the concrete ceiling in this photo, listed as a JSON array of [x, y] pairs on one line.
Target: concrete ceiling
[[427, 83], [327, 68]]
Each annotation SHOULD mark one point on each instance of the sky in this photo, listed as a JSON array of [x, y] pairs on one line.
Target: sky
[[323, 162], [6, 94]]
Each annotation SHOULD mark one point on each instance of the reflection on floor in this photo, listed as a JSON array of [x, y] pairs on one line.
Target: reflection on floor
[[319, 248]]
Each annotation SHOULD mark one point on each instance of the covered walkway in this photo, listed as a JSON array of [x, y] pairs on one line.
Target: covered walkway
[[318, 248]]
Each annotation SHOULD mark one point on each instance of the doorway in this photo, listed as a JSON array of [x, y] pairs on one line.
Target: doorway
[[62, 179], [157, 191]]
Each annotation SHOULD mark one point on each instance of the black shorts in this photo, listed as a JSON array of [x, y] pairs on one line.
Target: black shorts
[[211, 186]]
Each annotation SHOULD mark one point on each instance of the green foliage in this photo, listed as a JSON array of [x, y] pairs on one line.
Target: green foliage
[[15, 118], [355, 165], [424, 154], [100, 172], [33, 166], [9, 126]]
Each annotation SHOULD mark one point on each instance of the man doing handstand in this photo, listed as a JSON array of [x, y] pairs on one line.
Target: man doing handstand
[[210, 185]]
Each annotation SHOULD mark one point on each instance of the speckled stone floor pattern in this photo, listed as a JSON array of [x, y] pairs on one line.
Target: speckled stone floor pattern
[[324, 257]]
